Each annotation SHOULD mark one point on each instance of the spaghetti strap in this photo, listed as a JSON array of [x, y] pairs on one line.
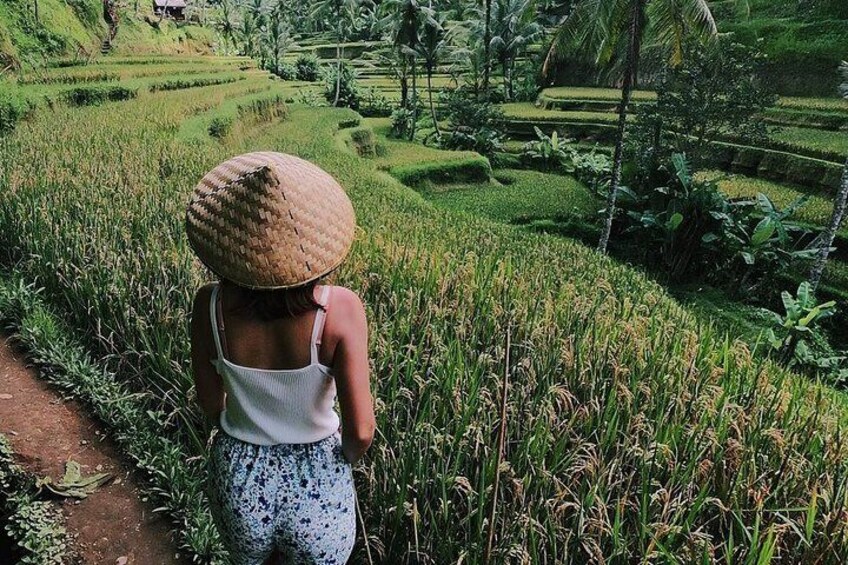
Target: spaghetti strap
[[213, 316], [318, 325]]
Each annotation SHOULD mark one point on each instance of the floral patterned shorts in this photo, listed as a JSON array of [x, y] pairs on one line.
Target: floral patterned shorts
[[297, 499]]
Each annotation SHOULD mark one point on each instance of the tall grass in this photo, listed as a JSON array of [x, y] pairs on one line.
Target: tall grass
[[635, 432]]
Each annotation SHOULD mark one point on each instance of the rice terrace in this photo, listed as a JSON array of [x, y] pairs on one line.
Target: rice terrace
[[599, 243]]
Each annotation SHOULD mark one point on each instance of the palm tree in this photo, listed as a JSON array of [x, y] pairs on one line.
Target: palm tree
[[487, 46], [227, 24], [515, 28], [613, 31], [434, 47], [247, 32], [406, 19], [839, 205], [277, 38], [345, 17]]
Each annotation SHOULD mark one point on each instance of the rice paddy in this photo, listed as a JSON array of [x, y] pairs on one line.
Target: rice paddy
[[636, 431]]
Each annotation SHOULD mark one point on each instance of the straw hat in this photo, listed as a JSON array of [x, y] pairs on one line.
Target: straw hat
[[269, 220]]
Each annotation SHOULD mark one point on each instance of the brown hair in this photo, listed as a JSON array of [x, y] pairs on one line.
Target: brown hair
[[279, 303]]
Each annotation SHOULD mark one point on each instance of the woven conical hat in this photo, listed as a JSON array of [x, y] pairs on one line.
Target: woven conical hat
[[269, 220]]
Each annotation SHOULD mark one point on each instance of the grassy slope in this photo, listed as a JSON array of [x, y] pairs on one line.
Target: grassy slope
[[64, 27], [137, 37], [61, 29], [624, 412], [519, 197]]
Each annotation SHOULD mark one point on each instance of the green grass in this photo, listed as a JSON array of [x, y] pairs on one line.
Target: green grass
[[590, 93], [528, 111], [32, 527], [136, 37], [635, 430], [62, 27], [815, 104], [519, 197]]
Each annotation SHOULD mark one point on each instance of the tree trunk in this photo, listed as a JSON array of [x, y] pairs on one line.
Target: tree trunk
[[414, 100], [430, 94], [404, 91], [630, 65], [510, 82], [829, 234], [618, 157], [35, 5], [505, 80], [338, 66], [487, 56]]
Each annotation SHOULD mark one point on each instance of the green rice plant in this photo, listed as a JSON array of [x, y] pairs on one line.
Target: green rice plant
[[823, 144], [634, 431], [816, 104], [174, 483], [181, 83], [816, 211], [92, 95]]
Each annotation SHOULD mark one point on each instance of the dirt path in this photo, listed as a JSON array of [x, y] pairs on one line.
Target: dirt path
[[110, 526]]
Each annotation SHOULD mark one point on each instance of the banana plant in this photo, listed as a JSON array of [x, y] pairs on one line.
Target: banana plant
[[550, 152], [796, 327]]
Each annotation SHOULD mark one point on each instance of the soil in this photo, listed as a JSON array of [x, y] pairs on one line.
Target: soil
[[110, 526]]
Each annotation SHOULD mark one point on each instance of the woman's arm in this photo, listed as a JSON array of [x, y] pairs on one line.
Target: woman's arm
[[350, 367], [207, 382]]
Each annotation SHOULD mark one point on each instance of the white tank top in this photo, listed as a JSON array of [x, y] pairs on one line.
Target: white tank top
[[273, 406]]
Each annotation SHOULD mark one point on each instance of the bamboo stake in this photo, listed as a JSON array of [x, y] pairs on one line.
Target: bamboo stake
[[362, 525], [501, 441]]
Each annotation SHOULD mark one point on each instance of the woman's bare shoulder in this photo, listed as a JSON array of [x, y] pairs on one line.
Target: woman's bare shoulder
[[346, 307], [345, 297]]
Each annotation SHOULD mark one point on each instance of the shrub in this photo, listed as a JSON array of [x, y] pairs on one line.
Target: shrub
[[92, 95], [374, 104], [287, 71], [470, 170], [364, 142], [32, 525], [473, 125], [220, 126], [342, 78], [592, 167], [13, 108], [796, 340], [309, 98], [696, 229], [403, 120], [307, 68]]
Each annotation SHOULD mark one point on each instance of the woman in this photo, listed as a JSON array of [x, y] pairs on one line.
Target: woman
[[271, 348]]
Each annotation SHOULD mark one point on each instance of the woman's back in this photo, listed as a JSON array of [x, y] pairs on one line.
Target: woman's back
[[270, 406], [271, 351], [276, 343]]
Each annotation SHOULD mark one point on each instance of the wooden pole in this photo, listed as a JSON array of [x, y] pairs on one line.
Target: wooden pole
[[501, 441]]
